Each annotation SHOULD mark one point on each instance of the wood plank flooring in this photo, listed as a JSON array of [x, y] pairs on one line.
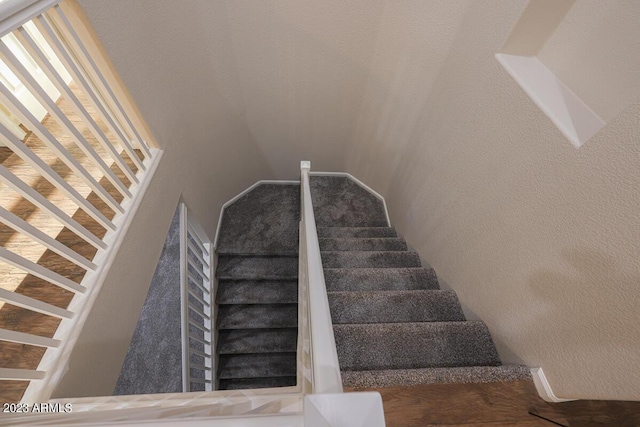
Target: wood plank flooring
[[498, 404], [14, 318]]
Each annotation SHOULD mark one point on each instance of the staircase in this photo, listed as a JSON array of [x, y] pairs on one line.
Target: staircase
[[393, 325], [257, 295]]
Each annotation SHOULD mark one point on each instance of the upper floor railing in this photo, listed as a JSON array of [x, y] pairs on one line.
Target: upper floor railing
[[73, 168]]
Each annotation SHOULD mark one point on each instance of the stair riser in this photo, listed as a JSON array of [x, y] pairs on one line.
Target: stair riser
[[238, 341], [257, 268], [410, 377], [252, 383], [257, 316], [377, 244], [380, 279], [395, 307], [256, 365], [356, 232], [257, 292], [370, 259], [414, 345]]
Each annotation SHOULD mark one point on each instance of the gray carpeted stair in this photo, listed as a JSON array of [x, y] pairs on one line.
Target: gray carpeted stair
[[408, 377], [380, 279], [353, 232], [257, 293], [238, 341], [363, 244], [261, 267], [256, 365], [414, 345], [257, 316], [250, 383], [392, 324], [395, 306], [370, 259]]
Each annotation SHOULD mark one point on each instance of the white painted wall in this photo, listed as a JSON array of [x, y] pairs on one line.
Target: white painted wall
[[594, 51], [539, 239]]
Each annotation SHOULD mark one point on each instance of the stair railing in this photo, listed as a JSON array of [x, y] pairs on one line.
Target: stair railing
[[98, 175], [325, 369], [197, 298]]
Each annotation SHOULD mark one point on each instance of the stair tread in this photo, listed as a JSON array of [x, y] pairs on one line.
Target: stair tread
[[410, 377], [381, 346], [257, 291], [237, 341], [256, 316], [362, 244], [251, 383], [370, 259], [394, 306], [355, 232], [363, 279], [257, 267], [257, 365]]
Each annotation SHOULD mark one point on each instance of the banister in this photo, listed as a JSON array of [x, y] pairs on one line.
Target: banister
[[325, 366]]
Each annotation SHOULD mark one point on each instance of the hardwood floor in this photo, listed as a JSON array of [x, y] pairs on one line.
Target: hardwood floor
[[497, 405], [14, 318]]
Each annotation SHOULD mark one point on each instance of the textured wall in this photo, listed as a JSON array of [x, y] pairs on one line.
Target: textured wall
[[602, 70], [539, 239]]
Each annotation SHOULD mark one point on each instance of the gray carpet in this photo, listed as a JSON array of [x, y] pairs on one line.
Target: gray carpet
[[257, 294], [338, 201], [154, 361], [393, 325], [263, 221]]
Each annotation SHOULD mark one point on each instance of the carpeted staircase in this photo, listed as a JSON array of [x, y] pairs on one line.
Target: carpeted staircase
[[257, 295], [392, 323]]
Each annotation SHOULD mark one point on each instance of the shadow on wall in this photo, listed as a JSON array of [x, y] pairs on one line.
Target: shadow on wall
[[592, 294]]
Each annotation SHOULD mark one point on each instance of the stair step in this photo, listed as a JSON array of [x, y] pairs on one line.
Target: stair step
[[257, 365], [379, 279], [257, 291], [338, 200], [410, 377], [236, 341], [394, 306], [353, 232], [257, 267], [369, 259], [251, 383], [382, 346], [257, 316], [363, 244]]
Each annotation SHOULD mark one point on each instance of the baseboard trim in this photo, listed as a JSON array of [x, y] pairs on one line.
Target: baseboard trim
[[361, 184], [544, 388], [242, 193]]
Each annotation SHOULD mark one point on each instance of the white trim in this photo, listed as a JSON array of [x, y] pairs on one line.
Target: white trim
[[55, 360], [239, 195], [544, 388], [361, 184]]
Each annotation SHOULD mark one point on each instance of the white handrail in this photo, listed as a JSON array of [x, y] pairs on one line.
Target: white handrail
[[324, 356]]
